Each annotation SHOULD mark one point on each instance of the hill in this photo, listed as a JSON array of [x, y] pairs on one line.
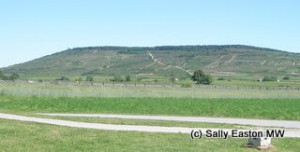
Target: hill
[[162, 62]]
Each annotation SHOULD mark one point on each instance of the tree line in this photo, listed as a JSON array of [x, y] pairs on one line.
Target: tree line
[[199, 76], [12, 76]]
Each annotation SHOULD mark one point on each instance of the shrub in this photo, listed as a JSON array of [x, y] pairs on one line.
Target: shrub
[[286, 78], [173, 79], [128, 78], [269, 78], [78, 79], [13, 76], [117, 78], [139, 79], [1, 75], [221, 78], [63, 78], [186, 84], [89, 78]]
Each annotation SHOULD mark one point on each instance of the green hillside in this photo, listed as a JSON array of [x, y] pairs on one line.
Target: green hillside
[[232, 61]]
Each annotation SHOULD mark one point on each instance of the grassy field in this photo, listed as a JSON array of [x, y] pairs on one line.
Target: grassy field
[[27, 137], [281, 109], [116, 90], [252, 83], [28, 99]]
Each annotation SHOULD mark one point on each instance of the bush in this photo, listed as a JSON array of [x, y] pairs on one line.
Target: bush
[[13, 76], [78, 79], [117, 78], [128, 78], [221, 78], [269, 78], [173, 79], [139, 79], [89, 78], [63, 78], [186, 84], [1, 75], [286, 78]]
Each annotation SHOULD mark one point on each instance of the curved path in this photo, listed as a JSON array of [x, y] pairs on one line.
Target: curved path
[[288, 133], [254, 122]]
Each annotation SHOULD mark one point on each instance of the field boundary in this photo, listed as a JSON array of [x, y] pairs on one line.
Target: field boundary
[[154, 85]]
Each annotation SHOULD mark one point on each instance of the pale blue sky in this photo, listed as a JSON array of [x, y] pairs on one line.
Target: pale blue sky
[[33, 28]]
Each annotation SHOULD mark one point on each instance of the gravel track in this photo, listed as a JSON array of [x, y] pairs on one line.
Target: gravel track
[[254, 122], [288, 132]]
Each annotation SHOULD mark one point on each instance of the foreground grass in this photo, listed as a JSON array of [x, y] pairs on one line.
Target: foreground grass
[[26, 136], [281, 109]]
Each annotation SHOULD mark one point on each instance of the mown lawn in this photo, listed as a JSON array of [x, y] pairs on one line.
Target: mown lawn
[[281, 109], [28, 137]]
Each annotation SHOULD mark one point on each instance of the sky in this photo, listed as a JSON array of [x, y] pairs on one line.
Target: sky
[[34, 28]]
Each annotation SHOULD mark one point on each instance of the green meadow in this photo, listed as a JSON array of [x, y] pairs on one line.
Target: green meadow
[[28, 137], [244, 102], [280, 109]]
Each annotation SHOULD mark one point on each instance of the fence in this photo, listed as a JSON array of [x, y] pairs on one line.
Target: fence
[[155, 85]]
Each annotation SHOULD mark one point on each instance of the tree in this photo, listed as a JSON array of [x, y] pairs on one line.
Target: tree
[[269, 78], [127, 78], [286, 78], [63, 78], [89, 78], [173, 79], [1, 75], [201, 77], [13, 77]]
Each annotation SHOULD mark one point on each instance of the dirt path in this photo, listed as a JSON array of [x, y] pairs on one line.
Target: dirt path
[[155, 60], [254, 122], [215, 63], [288, 133], [231, 59]]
